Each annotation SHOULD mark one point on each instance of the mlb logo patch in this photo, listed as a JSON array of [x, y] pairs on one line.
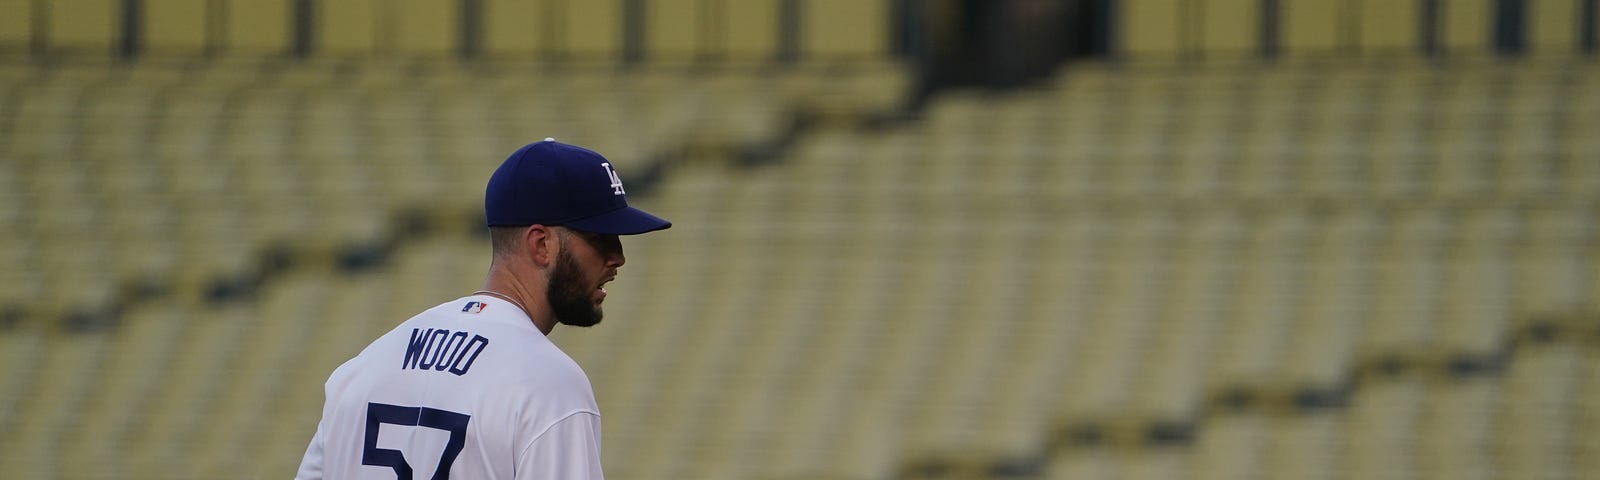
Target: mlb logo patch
[[474, 307]]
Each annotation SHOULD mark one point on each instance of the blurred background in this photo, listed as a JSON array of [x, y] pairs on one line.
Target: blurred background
[[1002, 239]]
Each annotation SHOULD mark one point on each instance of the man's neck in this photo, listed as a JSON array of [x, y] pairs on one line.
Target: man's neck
[[520, 290]]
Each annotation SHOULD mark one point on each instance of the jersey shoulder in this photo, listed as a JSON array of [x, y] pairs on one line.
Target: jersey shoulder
[[480, 341]]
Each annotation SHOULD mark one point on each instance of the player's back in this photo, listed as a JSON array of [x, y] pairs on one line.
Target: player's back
[[467, 389]]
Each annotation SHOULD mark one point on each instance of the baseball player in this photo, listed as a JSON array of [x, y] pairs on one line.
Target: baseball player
[[472, 388]]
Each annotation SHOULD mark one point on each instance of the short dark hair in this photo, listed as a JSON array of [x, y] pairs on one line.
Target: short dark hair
[[506, 240]]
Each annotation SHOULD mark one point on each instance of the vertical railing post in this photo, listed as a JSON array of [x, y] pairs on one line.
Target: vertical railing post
[[128, 44], [1508, 27], [471, 38], [789, 13], [301, 25], [1429, 27], [1270, 29], [633, 31], [1587, 13]]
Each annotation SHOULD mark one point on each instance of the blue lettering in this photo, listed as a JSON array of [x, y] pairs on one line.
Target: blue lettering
[[439, 349], [476, 346], [427, 361], [441, 361], [415, 349]]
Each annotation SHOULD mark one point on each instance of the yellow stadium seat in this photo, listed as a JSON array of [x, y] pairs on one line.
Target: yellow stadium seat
[[1537, 412], [1249, 351], [113, 127], [429, 28], [1314, 26], [1230, 28], [177, 26], [48, 132], [1549, 276], [1552, 26], [16, 24], [1324, 346], [1301, 446], [591, 30], [195, 375], [677, 30], [85, 26], [517, 29], [750, 30], [1155, 28], [15, 75], [67, 368], [1084, 465], [1586, 456], [1477, 279], [1173, 385], [1380, 428], [844, 28], [1329, 157], [1201, 163], [1231, 446], [148, 337], [1465, 26], [1525, 161], [1455, 428], [1390, 27], [350, 28], [257, 27], [23, 348]]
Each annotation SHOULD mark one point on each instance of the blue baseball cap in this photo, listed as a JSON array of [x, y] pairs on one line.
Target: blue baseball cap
[[552, 183]]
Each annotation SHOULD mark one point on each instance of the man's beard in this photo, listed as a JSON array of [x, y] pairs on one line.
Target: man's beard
[[570, 298]]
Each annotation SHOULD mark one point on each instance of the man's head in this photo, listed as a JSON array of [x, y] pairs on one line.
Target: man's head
[[575, 266], [558, 210]]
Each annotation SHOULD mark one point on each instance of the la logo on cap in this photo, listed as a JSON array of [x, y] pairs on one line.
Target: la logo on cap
[[555, 184], [616, 182]]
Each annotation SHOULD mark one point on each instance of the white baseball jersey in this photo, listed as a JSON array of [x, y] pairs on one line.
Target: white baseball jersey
[[468, 390]]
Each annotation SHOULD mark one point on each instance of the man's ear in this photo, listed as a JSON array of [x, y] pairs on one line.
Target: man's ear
[[543, 246]]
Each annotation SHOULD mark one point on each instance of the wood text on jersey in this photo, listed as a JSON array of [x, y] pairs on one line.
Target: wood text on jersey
[[442, 350]]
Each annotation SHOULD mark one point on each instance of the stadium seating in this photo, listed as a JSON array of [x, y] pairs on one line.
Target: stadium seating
[[115, 179], [1334, 268], [318, 155]]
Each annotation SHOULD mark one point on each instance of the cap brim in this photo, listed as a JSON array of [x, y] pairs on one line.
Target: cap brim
[[622, 221]]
